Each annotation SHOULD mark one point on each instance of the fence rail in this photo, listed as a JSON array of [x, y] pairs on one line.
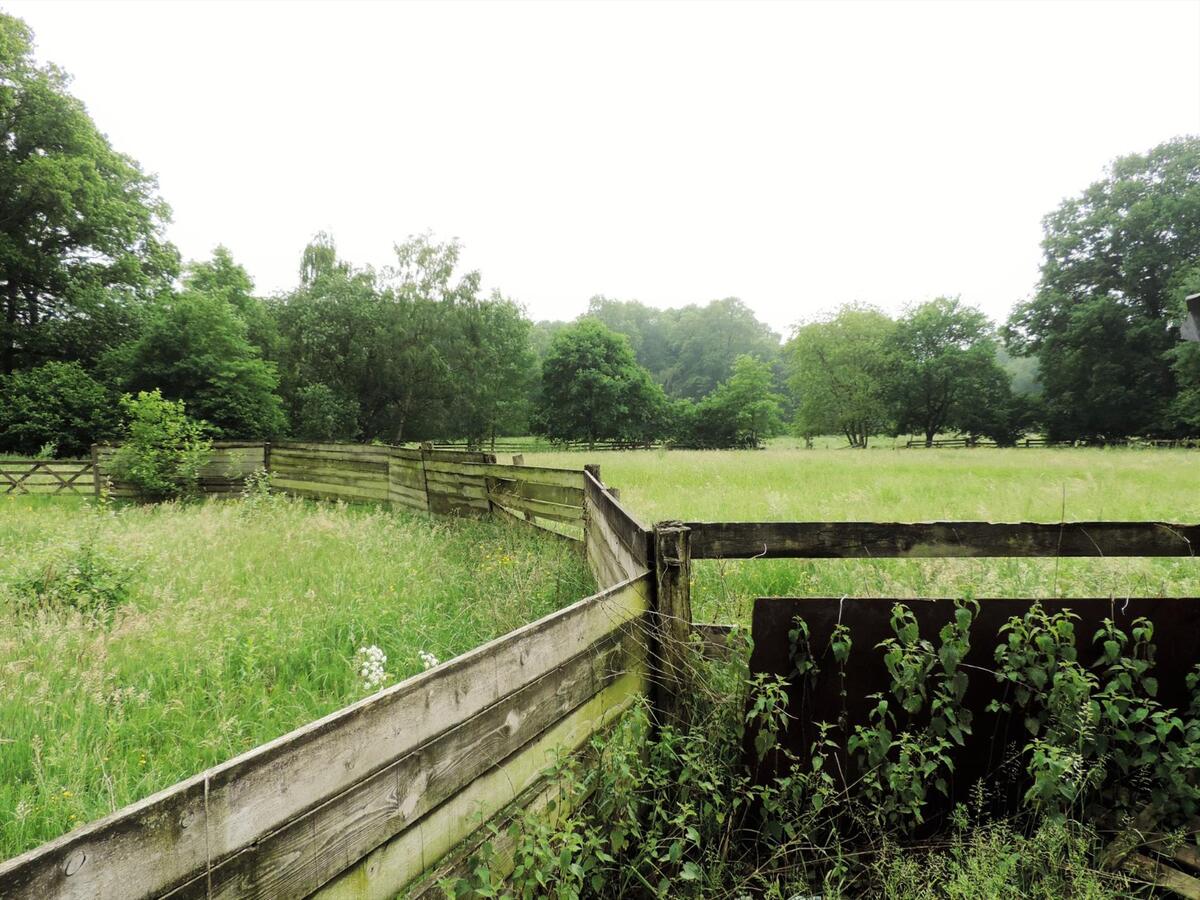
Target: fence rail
[[850, 540]]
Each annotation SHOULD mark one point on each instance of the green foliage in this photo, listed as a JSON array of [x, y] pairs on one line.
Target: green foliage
[[410, 353], [81, 225], [319, 414], [840, 368], [1098, 735], [97, 717], [988, 859], [162, 450], [689, 350], [1114, 258], [195, 348], [593, 389], [946, 375], [58, 405], [741, 412], [84, 578]]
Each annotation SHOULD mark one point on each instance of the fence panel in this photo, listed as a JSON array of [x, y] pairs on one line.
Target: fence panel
[[224, 473], [332, 471], [47, 476]]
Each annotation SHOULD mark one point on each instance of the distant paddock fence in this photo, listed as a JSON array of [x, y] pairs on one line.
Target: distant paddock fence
[[1027, 443], [47, 476]]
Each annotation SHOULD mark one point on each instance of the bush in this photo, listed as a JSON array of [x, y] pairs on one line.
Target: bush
[[163, 449], [82, 578], [320, 414], [58, 405]]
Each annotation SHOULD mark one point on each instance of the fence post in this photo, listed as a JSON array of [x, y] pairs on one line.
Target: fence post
[[426, 449], [672, 616], [266, 456], [96, 489]]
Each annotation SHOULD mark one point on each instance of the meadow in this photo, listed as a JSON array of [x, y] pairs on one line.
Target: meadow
[[206, 629], [785, 482]]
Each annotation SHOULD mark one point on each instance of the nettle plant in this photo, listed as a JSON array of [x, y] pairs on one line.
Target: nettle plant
[[1098, 735], [908, 743]]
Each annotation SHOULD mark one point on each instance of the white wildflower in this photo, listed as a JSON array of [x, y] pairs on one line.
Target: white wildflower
[[369, 661], [428, 659]]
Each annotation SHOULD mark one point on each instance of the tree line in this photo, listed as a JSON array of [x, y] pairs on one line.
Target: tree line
[[98, 304]]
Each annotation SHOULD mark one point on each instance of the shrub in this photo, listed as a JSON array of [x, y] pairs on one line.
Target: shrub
[[82, 578], [163, 449], [57, 404]]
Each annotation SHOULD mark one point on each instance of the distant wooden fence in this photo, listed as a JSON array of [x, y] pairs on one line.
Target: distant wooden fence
[[967, 442], [375, 798], [47, 476], [224, 473]]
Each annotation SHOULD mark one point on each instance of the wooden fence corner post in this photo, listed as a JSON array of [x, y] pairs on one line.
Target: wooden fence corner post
[[96, 488], [673, 618], [426, 451]]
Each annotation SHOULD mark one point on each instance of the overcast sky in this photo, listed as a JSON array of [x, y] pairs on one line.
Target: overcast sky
[[796, 156]]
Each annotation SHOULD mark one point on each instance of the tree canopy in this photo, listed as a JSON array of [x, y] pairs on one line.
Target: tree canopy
[[943, 364], [840, 371], [81, 243], [593, 388], [1116, 259]]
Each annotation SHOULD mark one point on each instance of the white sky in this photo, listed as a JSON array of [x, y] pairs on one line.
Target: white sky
[[796, 156]]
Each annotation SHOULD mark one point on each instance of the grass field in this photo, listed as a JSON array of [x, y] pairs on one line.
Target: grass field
[[241, 623], [787, 483]]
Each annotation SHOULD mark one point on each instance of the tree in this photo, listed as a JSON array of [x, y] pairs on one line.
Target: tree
[[593, 388], [741, 412], [1113, 258], [689, 350], [223, 278], [945, 367], [195, 349], [57, 404], [840, 370], [415, 350], [81, 245], [706, 341]]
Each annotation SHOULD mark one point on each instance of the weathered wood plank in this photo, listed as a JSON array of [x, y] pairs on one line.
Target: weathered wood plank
[[556, 511], [636, 537], [159, 844], [307, 852], [532, 490], [539, 474], [396, 864], [331, 490], [816, 540], [108, 858], [256, 793]]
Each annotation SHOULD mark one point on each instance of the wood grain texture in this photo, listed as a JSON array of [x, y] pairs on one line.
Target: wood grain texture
[[162, 843], [557, 511], [295, 860], [393, 866], [817, 540]]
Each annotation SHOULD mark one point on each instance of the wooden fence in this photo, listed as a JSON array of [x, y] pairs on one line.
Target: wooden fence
[[224, 473], [389, 794], [375, 798], [47, 476]]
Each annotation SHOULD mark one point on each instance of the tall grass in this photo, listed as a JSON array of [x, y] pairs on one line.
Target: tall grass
[[242, 622], [787, 483]]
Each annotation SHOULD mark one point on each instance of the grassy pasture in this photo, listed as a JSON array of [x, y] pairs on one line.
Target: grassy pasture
[[242, 623], [787, 483]]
